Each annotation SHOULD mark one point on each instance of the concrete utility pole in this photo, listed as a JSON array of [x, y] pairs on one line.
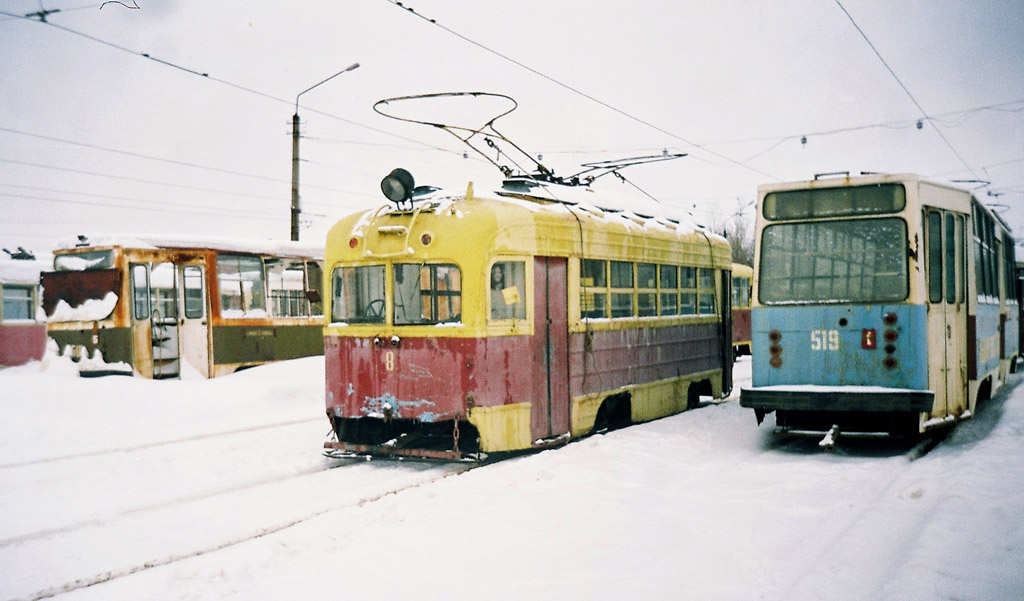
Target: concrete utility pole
[[296, 208]]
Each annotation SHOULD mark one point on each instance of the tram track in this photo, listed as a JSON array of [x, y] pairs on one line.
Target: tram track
[[157, 444], [97, 522], [108, 576]]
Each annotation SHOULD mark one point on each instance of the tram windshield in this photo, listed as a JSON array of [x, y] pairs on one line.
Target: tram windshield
[[423, 294], [849, 261], [427, 294], [357, 294], [80, 295], [84, 261]]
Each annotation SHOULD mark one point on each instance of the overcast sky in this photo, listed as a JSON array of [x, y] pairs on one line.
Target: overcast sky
[[96, 137]]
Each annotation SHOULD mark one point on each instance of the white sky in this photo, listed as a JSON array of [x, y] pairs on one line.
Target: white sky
[[734, 83]]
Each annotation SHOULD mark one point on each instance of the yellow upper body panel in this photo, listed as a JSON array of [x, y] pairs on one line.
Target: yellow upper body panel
[[473, 232]]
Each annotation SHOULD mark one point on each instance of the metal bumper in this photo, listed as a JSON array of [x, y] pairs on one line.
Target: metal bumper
[[343, 449], [851, 399]]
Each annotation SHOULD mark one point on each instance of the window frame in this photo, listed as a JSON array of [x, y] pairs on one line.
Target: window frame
[[30, 301]]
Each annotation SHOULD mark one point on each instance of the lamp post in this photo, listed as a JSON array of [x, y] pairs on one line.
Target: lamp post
[[296, 210]]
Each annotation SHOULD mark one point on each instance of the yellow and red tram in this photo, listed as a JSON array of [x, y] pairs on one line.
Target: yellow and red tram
[[467, 324]]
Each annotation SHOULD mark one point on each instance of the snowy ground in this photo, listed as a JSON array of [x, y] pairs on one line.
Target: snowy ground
[[122, 488]]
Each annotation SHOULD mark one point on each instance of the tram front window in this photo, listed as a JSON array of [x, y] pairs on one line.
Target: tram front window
[[851, 261], [84, 261], [357, 294], [427, 294]]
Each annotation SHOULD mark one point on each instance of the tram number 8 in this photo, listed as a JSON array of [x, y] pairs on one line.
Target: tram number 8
[[824, 340]]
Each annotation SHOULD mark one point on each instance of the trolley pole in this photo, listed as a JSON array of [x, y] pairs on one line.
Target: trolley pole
[[296, 207]]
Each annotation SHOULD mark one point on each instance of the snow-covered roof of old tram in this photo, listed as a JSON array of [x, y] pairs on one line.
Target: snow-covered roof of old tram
[[155, 241], [21, 271], [630, 208]]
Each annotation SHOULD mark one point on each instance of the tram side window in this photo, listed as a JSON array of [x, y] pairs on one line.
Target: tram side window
[[286, 284], [593, 288], [18, 302], [647, 289], [740, 292], [668, 280], [706, 291], [1009, 268], [314, 284], [688, 293], [242, 286], [508, 290], [426, 294], [357, 294], [622, 288], [984, 247]]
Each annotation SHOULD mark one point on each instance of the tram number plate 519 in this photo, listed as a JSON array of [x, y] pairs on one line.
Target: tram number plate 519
[[824, 340]]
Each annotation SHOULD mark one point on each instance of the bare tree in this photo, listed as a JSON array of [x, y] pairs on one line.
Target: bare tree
[[738, 229]]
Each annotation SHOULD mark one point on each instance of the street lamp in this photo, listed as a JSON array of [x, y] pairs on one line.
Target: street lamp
[[295, 151]]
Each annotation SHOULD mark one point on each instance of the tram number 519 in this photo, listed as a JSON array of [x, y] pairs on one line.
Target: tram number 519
[[824, 340]]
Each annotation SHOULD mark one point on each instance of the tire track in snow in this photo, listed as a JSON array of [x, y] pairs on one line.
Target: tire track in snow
[[21, 538], [155, 563], [911, 529], [151, 445]]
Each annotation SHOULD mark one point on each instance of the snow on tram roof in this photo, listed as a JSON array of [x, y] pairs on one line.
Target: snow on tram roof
[[262, 247], [21, 271], [585, 197], [631, 210]]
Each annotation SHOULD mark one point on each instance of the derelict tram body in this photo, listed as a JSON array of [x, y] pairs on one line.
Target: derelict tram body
[[164, 307]]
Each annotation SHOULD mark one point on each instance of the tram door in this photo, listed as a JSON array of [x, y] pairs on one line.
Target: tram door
[[550, 356], [163, 291], [195, 331], [947, 311], [169, 319]]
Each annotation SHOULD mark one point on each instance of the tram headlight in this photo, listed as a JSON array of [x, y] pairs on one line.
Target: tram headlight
[[398, 185]]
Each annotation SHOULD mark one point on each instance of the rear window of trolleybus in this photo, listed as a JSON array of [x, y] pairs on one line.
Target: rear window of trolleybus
[[854, 260], [422, 293]]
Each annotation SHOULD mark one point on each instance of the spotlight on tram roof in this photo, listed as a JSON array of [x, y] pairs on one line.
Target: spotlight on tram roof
[[398, 186]]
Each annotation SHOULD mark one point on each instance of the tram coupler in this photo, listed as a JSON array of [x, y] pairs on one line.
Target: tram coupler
[[829, 442]]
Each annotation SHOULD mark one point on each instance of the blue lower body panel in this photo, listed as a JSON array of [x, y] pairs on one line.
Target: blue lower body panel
[[848, 399]]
